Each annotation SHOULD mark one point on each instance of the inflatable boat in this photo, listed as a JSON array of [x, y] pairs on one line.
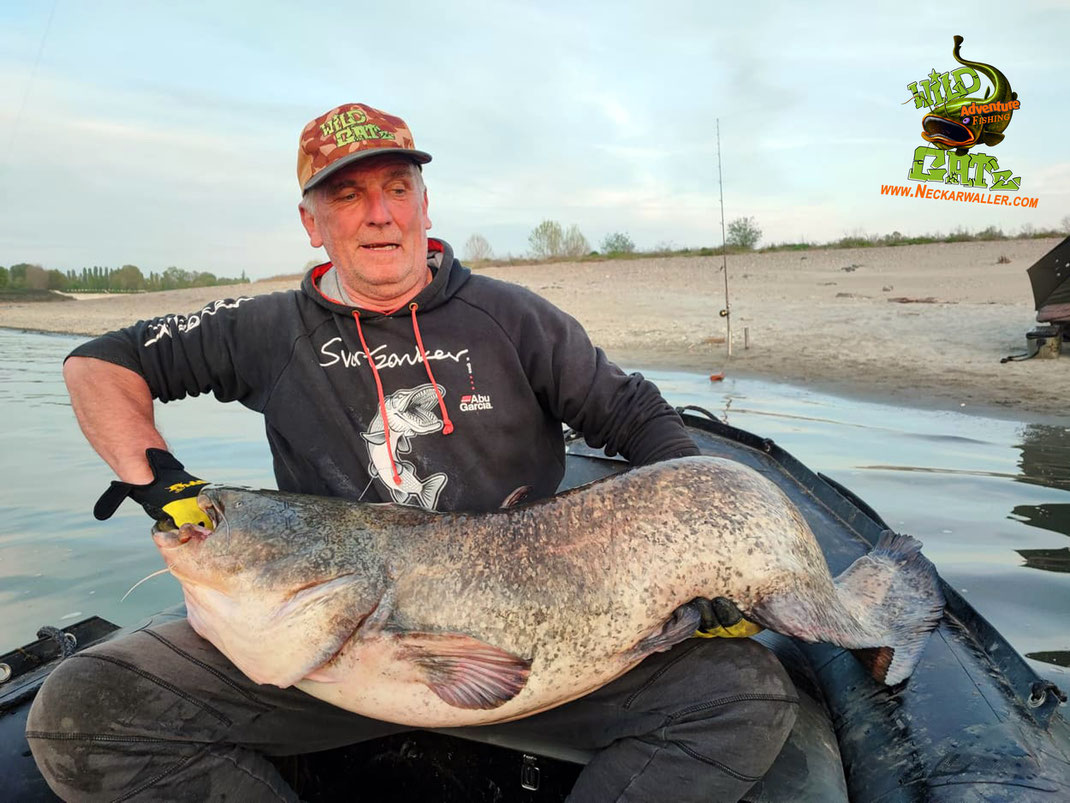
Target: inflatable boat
[[973, 723]]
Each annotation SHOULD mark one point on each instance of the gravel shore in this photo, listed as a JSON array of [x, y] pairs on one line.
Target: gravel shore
[[919, 325]]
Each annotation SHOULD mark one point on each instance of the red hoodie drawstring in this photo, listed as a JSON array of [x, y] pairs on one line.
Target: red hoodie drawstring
[[447, 425], [382, 401]]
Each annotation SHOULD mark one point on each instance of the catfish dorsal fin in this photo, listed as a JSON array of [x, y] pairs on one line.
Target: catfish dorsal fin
[[464, 671]]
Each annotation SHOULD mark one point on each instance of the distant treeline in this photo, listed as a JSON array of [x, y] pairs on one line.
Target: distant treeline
[[97, 279], [549, 242], [958, 235]]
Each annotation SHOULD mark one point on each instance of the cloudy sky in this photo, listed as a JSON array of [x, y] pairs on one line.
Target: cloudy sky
[[166, 133]]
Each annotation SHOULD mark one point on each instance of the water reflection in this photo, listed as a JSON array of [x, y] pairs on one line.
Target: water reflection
[[1045, 456], [1054, 516], [1050, 560], [1056, 657], [1045, 460]]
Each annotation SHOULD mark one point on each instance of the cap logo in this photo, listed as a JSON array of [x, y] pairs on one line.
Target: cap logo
[[346, 128], [347, 133]]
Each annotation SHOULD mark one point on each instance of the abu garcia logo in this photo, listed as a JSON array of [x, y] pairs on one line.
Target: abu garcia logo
[[476, 401], [956, 122]]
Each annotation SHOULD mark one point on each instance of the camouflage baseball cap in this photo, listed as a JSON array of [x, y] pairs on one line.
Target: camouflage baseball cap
[[347, 133]]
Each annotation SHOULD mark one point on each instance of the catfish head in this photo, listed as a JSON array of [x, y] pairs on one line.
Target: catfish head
[[947, 126], [270, 583]]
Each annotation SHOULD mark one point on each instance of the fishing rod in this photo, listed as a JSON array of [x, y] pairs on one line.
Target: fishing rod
[[726, 313]]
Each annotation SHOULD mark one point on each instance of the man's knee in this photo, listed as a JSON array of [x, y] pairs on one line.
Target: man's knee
[[727, 702], [746, 665], [742, 710], [66, 721], [702, 670], [62, 701]]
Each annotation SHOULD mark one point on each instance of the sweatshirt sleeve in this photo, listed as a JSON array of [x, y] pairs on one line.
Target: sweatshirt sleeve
[[227, 348], [576, 382]]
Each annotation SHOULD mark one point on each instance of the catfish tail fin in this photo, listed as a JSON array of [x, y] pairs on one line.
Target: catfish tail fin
[[882, 608], [893, 591]]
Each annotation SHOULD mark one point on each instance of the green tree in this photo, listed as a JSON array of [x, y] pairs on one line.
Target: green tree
[[56, 280], [618, 243], [18, 274], [173, 278], [203, 279], [743, 233], [546, 240], [4, 277], [575, 244], [128, 277]]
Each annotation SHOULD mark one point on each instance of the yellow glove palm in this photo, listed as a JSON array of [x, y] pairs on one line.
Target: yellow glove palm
[[722, 619], [185, 511]]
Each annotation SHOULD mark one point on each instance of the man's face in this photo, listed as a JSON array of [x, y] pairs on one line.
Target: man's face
[[372, 220]]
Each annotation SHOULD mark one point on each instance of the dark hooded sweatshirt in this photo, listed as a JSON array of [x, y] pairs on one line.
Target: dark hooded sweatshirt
[[476, 425]]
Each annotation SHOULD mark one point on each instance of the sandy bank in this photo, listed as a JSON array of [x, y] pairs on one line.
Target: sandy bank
[[824, 318]]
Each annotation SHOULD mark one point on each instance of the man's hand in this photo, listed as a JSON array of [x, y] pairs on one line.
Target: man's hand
[[722, 619], [171, 497]]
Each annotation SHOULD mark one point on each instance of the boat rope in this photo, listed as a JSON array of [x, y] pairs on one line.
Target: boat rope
[[66, 642], [1019, 357]]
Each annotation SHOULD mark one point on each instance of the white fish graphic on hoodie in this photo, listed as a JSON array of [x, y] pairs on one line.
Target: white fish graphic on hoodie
[[409, 412]]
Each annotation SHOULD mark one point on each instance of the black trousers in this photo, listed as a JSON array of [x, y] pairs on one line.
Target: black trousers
[[160, 714]]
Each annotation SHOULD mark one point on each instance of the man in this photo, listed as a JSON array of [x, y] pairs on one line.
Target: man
[[393, 375]]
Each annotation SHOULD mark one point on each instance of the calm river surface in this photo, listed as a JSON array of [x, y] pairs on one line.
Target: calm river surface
[[990, 498]]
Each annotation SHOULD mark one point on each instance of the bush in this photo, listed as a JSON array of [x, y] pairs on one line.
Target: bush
[[477, 249], [743, 233], [575, 244], [618, 243], [546, 240]]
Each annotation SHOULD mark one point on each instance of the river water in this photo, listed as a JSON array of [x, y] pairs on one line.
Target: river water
[[989, 498]]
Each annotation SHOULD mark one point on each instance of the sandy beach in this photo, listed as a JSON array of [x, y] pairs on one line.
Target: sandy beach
[[917, 325]]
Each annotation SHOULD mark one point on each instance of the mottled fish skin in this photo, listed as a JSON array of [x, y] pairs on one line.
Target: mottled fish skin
[[568, 585]]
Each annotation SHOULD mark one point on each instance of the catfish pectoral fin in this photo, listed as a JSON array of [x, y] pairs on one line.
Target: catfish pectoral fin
[[992, 138], [464, 671], [681, 625]]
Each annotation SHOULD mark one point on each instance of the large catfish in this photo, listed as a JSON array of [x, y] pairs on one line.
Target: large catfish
[[447, 619]]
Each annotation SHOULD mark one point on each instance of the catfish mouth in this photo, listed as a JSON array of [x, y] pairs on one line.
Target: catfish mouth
[[167, 536], [946, 133]]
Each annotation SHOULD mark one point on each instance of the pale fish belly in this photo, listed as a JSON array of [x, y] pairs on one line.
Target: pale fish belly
[[375, 678]]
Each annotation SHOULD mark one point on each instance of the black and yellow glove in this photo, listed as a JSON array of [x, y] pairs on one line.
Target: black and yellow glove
[[171, 497], [722, 619]]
